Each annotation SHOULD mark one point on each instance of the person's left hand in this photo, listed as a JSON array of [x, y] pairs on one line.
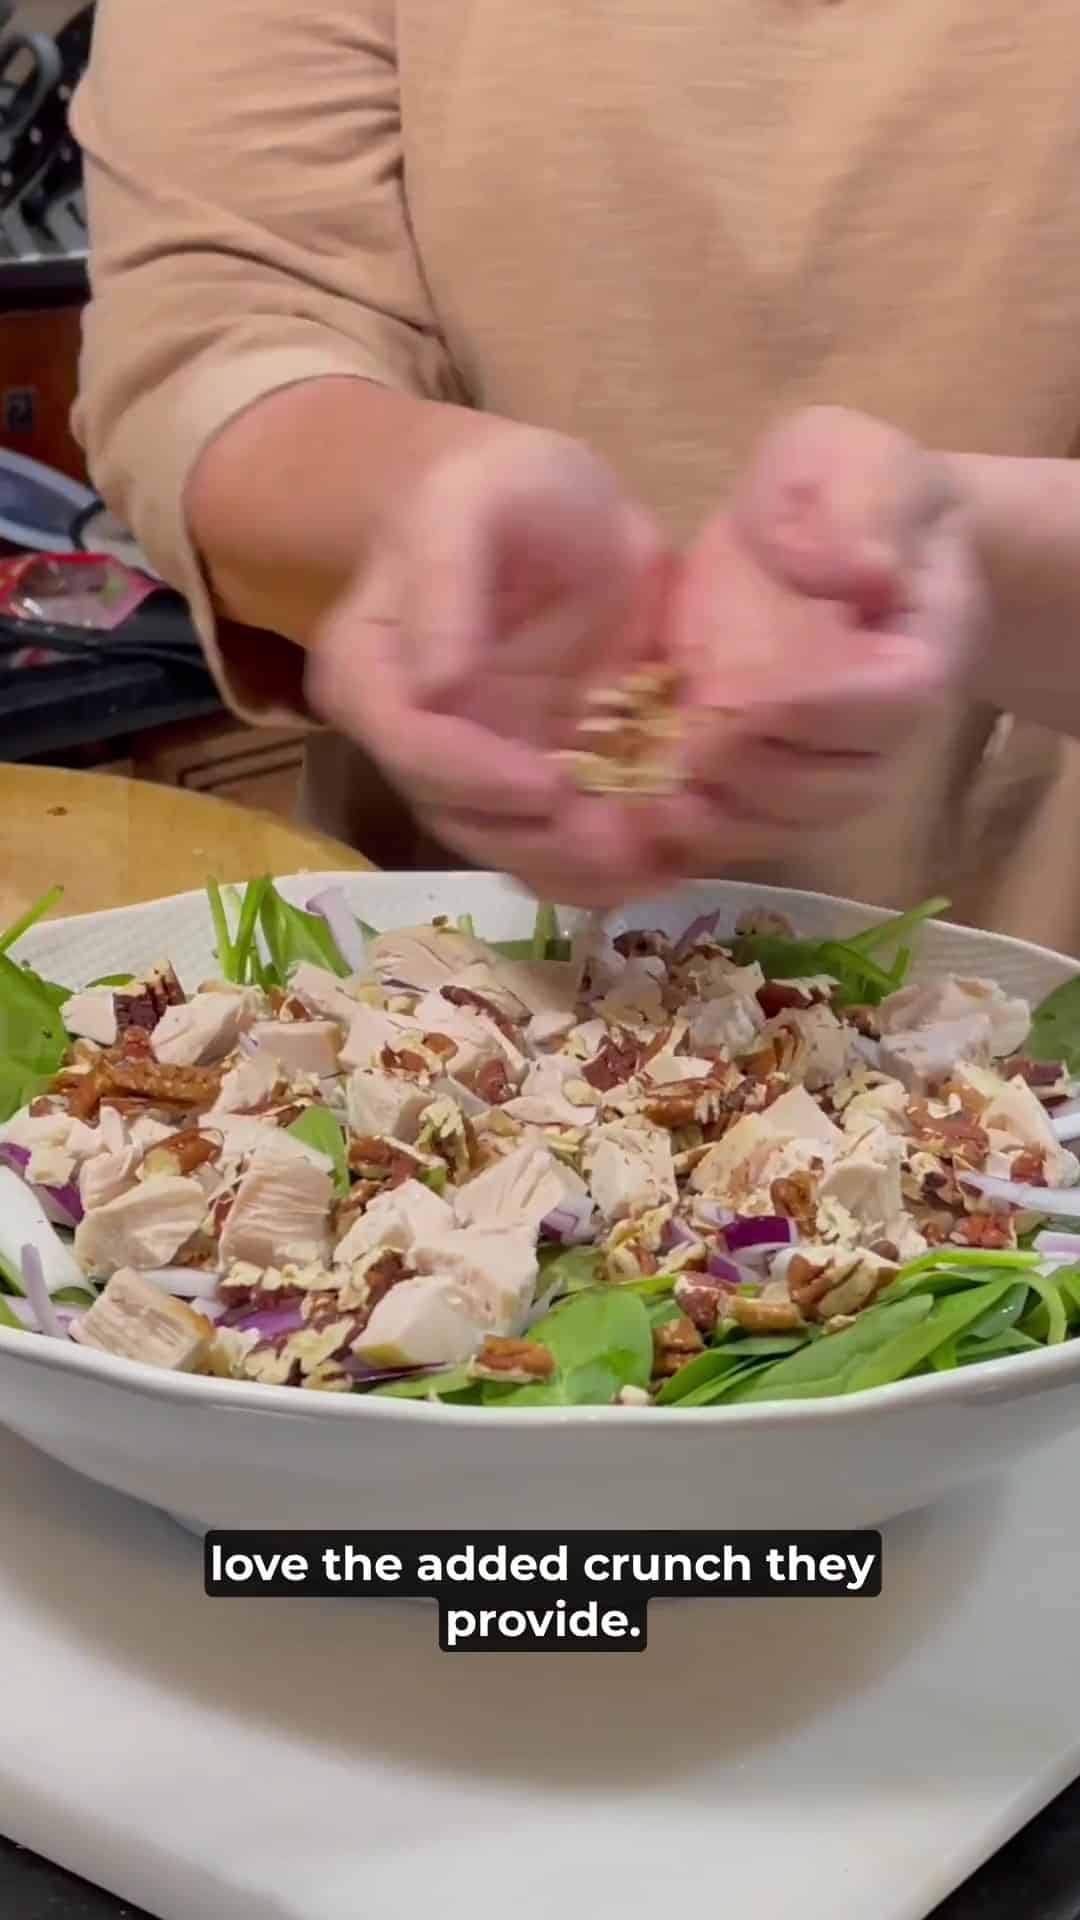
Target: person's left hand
[[816, 622]]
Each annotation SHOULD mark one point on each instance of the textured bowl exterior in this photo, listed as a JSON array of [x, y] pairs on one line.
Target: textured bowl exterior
[[220, 1453]]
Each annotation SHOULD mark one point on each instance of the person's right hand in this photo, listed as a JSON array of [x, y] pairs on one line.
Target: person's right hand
[[516, 577]]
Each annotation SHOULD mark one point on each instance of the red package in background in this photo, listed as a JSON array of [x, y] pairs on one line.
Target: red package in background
[[87, 591]]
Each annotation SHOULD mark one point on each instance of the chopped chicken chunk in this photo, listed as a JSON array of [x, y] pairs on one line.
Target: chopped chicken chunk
[[395, 1221], [300, 1046], [203, 1029], [494, 1266], [247, 1086], [92, 1016], [379, 1103], [553, 1094], [520, 1190], [143, 1227], [137, 1320], [322, 993], [926, 1057], [423, 1322], [630, 1168], [281, 1213], [935, 1003]]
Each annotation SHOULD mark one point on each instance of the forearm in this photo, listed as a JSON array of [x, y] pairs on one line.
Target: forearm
[[287, 502], [1027, 519]]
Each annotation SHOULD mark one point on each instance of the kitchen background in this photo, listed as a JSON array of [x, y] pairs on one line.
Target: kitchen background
[[131, 697]]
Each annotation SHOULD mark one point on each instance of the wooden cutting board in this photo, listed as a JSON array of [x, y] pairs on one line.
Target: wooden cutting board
[[111, 842]]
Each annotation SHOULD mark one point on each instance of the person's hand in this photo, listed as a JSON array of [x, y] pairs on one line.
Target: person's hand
[[517, 577], [816, 622]]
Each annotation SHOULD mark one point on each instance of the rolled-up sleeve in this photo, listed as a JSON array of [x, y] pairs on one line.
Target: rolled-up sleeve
[[249, 232]]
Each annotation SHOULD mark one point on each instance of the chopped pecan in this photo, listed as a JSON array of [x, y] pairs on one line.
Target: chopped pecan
[[383, 1274], [808, 1281], [690, 1103], [381, 1160], [141, 1080], [617, 1061], [492, 1083], [764, 1061], [182, 1152], [674, 1343], [957, 1136], [763, 1316], [466, 997], [984, 1230], [702, 1299], [1037, 1073], [504, 1359], [402, 1060], [83, 1091], [778, 996], [795, 1196], [220, 1211], [1027, 1167], [348, 1209], [136, 1043], [886, 1250]]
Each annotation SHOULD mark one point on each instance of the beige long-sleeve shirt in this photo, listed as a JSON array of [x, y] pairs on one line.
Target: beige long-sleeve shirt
[[654, 224]]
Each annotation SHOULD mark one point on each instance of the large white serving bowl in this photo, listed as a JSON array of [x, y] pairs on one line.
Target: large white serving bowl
[[222, 1454]]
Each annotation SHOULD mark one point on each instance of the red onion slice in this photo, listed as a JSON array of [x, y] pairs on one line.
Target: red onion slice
[[677, 1234], [761, 1232], [729, 1271], [1050, 1242], [267, 1322], [63, 1205], [37, 1293], [332, 906], [569, 1224], [1062, 1202], [705, 923], [24, 1312]]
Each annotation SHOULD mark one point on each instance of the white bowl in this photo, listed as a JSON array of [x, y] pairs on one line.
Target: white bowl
[[224, 1454]]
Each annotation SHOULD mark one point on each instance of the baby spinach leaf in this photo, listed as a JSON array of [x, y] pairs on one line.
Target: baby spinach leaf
[[449, 1380], [660, 1309], [725, 1386], [699, 1372], [30, 918], [319, 1128], [972, 1352], [566, 1270], [907, 1347], [731, 1356], [32, 1037], [889, 932], [8, 1319], [292, 935], [600, 1341], [1004, 1315], [825, 1366], [1049, 1321], [1055, 1027]]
